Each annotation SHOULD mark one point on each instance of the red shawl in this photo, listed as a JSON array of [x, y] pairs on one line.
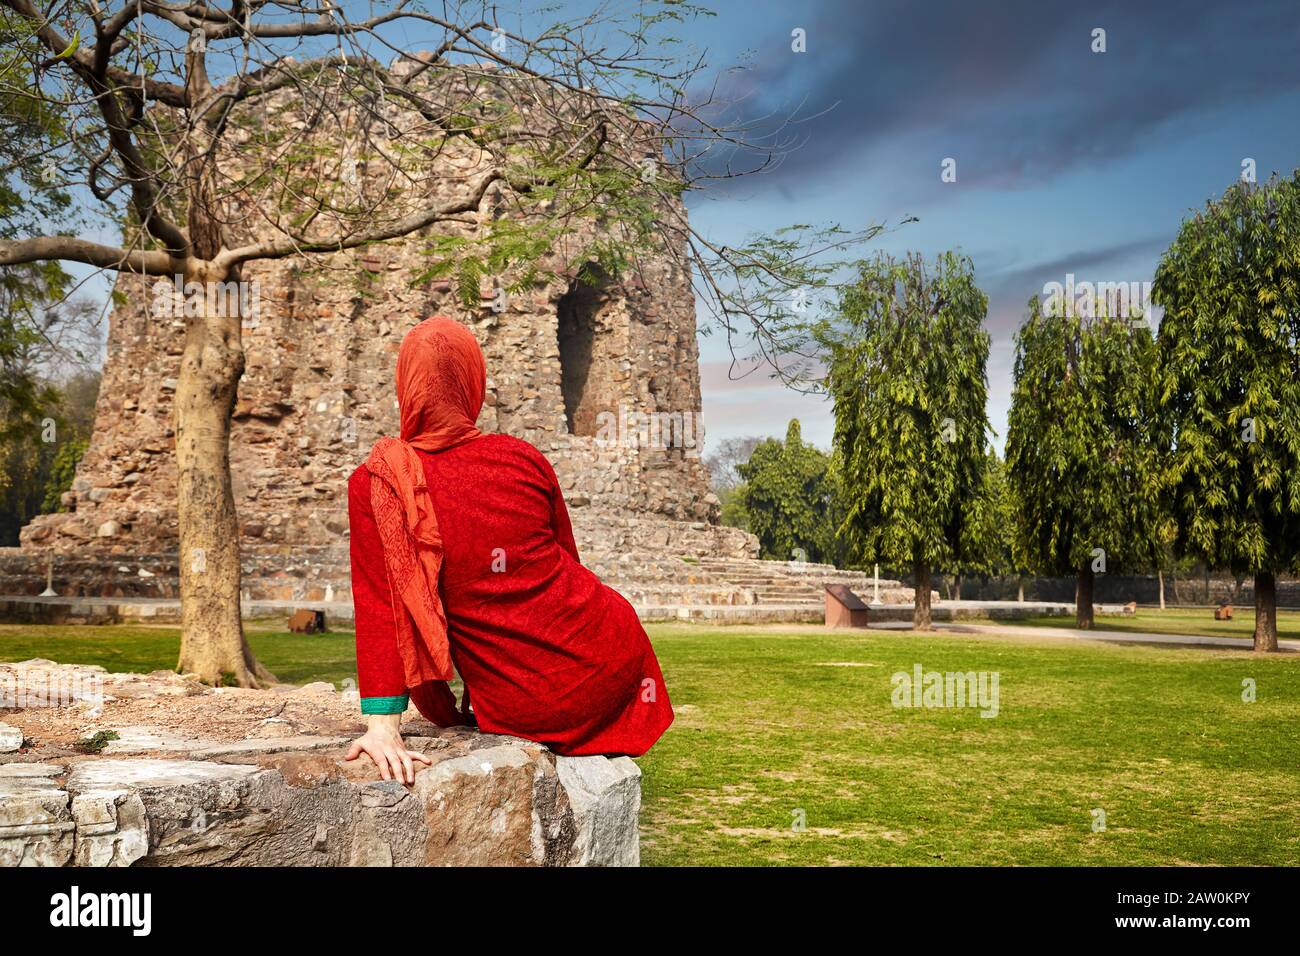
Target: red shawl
[[441, 378]]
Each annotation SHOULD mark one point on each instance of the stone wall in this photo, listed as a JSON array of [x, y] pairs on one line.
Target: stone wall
[[587, 372], [214, 781]]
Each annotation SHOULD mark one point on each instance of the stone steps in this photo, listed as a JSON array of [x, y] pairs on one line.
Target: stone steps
[[111, 587]]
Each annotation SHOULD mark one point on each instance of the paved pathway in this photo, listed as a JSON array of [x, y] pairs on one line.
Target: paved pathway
[[1131, 637]]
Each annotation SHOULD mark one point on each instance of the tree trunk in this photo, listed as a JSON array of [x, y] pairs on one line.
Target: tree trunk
[[1160, 576], [1083, 597], [1020, 589], [921, 604], [1265, 612], [212, 633], [956, 588]]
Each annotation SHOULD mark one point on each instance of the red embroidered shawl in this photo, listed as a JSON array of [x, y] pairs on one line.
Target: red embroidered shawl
[[441, 378]]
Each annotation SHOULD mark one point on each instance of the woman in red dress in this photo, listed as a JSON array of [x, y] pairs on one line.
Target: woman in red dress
[[462, 555]]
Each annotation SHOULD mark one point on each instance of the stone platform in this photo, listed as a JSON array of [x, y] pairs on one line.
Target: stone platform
[[185, 775], [685, 584]]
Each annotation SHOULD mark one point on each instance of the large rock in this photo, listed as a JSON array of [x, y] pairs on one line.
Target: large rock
[[501, 805], [606, 799]]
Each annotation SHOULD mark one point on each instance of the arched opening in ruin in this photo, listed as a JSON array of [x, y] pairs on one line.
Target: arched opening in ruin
[[588, 353]]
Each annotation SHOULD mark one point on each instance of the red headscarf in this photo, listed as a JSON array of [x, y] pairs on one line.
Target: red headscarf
[[441, 378]]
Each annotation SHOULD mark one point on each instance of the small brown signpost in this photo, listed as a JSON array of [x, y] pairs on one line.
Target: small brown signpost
[[844, 608], [306, 621]]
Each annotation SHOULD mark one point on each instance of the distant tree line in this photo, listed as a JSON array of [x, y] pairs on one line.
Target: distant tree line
[[49, 341], [1129, 449]]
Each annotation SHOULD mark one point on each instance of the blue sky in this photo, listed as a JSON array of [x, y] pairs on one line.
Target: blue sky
[[1067, 160]]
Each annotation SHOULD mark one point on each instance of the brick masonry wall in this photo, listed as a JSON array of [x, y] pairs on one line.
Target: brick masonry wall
[[321, 346]]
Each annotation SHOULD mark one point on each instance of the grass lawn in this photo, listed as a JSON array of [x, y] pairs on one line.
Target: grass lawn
[[1191, 621], [293, 658], [778, 722]]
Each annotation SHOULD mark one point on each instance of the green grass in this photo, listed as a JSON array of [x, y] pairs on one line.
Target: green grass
[[1199, 622], [1158, 738], [293, 658], [771, 723]]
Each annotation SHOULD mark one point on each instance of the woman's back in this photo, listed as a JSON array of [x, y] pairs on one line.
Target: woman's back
[[496, 499], [546, 650]]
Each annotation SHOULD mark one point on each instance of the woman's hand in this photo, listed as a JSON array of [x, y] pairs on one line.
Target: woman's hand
[[383, 744]]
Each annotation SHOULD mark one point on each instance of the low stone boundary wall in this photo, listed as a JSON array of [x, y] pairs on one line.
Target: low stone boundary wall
[[193, 776]]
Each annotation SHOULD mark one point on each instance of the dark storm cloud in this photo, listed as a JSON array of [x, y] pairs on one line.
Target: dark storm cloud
[[1011, 89]]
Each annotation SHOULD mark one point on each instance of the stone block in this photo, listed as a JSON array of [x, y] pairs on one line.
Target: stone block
[[36, 827], [112, 828], [274, 791], [11, 739], [605, 795]]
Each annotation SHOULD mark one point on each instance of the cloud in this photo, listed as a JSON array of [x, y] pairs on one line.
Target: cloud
[[766, 412], [724, 377], [1021, 282], [1011, 90]]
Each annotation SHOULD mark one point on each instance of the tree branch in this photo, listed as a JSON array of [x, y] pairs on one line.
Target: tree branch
[[293, 245], [71, 249]]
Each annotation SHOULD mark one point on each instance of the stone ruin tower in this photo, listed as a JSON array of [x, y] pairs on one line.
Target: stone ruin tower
[[594, 375]]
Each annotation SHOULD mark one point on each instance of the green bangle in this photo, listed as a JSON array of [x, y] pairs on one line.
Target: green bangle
[[385, 705]]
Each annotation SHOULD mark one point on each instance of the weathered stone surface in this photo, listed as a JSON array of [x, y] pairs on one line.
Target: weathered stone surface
[[153, 740], [36, 827], [232, 777], [481, 801], [602, 376], [112, 828], [11, 738], [390, 828], [606, 798]]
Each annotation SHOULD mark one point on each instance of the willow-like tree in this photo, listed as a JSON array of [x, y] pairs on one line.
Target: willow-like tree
[[1081, 463], [907, 358], [216, 135], [1228, 371]]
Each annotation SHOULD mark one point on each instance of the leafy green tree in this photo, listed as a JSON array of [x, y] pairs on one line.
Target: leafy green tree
[[62, 470], [1228, 372], [28, 197], [46, 397], [40, 449], [986, 544], [1081, 463], [907, 359], [790, 498], [732, 511], [37, 335], [31, 191], [1007, 560]]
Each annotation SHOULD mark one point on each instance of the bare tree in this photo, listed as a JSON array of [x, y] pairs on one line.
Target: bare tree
[[730, 453], [217, 135]]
